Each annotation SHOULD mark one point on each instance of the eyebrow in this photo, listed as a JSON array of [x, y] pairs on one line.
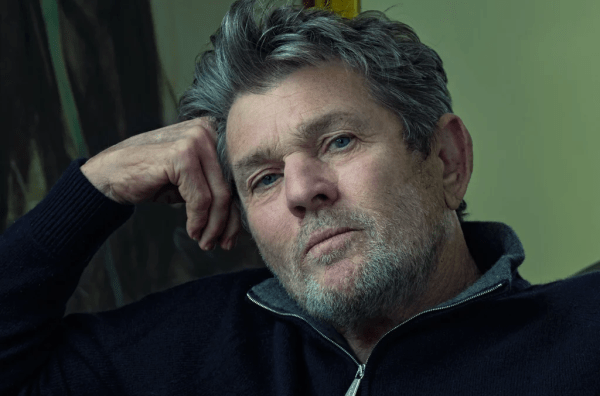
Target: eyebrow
[[307, 132]]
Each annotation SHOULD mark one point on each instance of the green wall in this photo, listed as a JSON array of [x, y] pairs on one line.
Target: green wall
[[523, 76], [183, 30]]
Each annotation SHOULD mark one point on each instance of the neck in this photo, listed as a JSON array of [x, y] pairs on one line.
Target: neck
[[456, 271]]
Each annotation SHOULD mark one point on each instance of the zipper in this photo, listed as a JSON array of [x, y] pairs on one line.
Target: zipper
[[439, 309], [352, 391], [356, 383]]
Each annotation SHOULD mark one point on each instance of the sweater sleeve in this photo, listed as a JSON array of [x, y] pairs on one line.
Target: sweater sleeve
[[42, 257]]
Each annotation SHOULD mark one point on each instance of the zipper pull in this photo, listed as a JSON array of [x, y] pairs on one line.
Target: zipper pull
[[359, 375]]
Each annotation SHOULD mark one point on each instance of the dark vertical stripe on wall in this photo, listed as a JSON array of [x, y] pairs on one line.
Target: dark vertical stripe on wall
[[30, 109], [112, 63]]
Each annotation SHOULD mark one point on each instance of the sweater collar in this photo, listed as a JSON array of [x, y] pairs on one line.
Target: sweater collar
[[494, 246]]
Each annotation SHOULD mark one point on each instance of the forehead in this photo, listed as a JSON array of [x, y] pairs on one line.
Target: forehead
[[272, 119]]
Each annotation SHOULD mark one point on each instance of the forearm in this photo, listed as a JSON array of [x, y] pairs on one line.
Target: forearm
[[42, 256]]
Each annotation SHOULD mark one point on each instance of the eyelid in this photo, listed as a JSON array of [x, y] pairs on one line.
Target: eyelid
[[340, 135], [254, 181]]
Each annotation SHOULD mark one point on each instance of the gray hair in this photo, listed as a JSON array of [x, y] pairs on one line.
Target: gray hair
[[254, 50]]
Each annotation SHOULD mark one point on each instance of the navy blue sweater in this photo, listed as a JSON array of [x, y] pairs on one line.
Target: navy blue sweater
[[240, 334]]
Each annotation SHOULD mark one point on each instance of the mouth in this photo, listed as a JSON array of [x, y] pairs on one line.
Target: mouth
[[323, 235]]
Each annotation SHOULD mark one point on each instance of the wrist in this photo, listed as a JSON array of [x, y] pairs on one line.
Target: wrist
[[96, 180]]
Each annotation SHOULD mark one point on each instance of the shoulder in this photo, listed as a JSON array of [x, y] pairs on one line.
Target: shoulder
[[581, 286], [577, 295]]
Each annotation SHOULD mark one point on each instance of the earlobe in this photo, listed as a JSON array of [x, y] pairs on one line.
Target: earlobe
[[456, 152]]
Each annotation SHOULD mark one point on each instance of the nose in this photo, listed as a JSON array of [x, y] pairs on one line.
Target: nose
[[310, 184]]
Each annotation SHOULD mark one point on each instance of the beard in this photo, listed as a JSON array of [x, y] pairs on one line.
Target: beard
[[398, 248]]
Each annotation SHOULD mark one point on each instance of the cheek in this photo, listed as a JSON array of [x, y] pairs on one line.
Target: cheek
[[270, 226], [365, 183]]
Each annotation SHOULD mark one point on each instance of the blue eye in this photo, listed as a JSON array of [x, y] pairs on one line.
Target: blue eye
[[268, 179], [341, 141]]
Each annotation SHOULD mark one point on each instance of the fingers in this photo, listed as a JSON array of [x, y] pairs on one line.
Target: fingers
[[220, 194], [195, 191], [207, 195], [232, 229]]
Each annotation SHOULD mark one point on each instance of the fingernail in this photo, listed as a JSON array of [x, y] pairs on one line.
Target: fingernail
[[229, 244]]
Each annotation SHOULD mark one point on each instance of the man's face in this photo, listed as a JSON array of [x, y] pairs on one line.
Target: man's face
[[317, 161]]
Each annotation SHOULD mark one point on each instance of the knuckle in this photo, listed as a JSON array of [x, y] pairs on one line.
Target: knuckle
[[197, 130], [208, 123], [195, 127], [183, 150], [202, 133]]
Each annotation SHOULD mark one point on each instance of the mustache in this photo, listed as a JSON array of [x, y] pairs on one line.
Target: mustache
[[330, 218]]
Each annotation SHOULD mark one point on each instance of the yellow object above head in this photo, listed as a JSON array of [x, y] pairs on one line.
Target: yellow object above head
[[344, 8]]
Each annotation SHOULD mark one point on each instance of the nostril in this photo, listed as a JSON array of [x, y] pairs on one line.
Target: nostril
[[301, 210], [321, 197]]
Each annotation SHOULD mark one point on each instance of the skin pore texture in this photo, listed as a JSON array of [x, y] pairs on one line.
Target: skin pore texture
[[315, 159]]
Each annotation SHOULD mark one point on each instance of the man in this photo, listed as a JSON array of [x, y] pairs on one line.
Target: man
[[334, 143]]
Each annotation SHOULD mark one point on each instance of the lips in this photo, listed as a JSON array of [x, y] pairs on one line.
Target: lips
[[320, 236]]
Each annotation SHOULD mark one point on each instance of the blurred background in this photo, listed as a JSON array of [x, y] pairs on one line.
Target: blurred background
[[78, 76]]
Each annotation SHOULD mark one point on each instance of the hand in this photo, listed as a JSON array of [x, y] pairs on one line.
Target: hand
[[175, 164]]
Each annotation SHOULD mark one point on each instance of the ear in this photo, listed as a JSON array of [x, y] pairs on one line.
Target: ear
[[455, 149]]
